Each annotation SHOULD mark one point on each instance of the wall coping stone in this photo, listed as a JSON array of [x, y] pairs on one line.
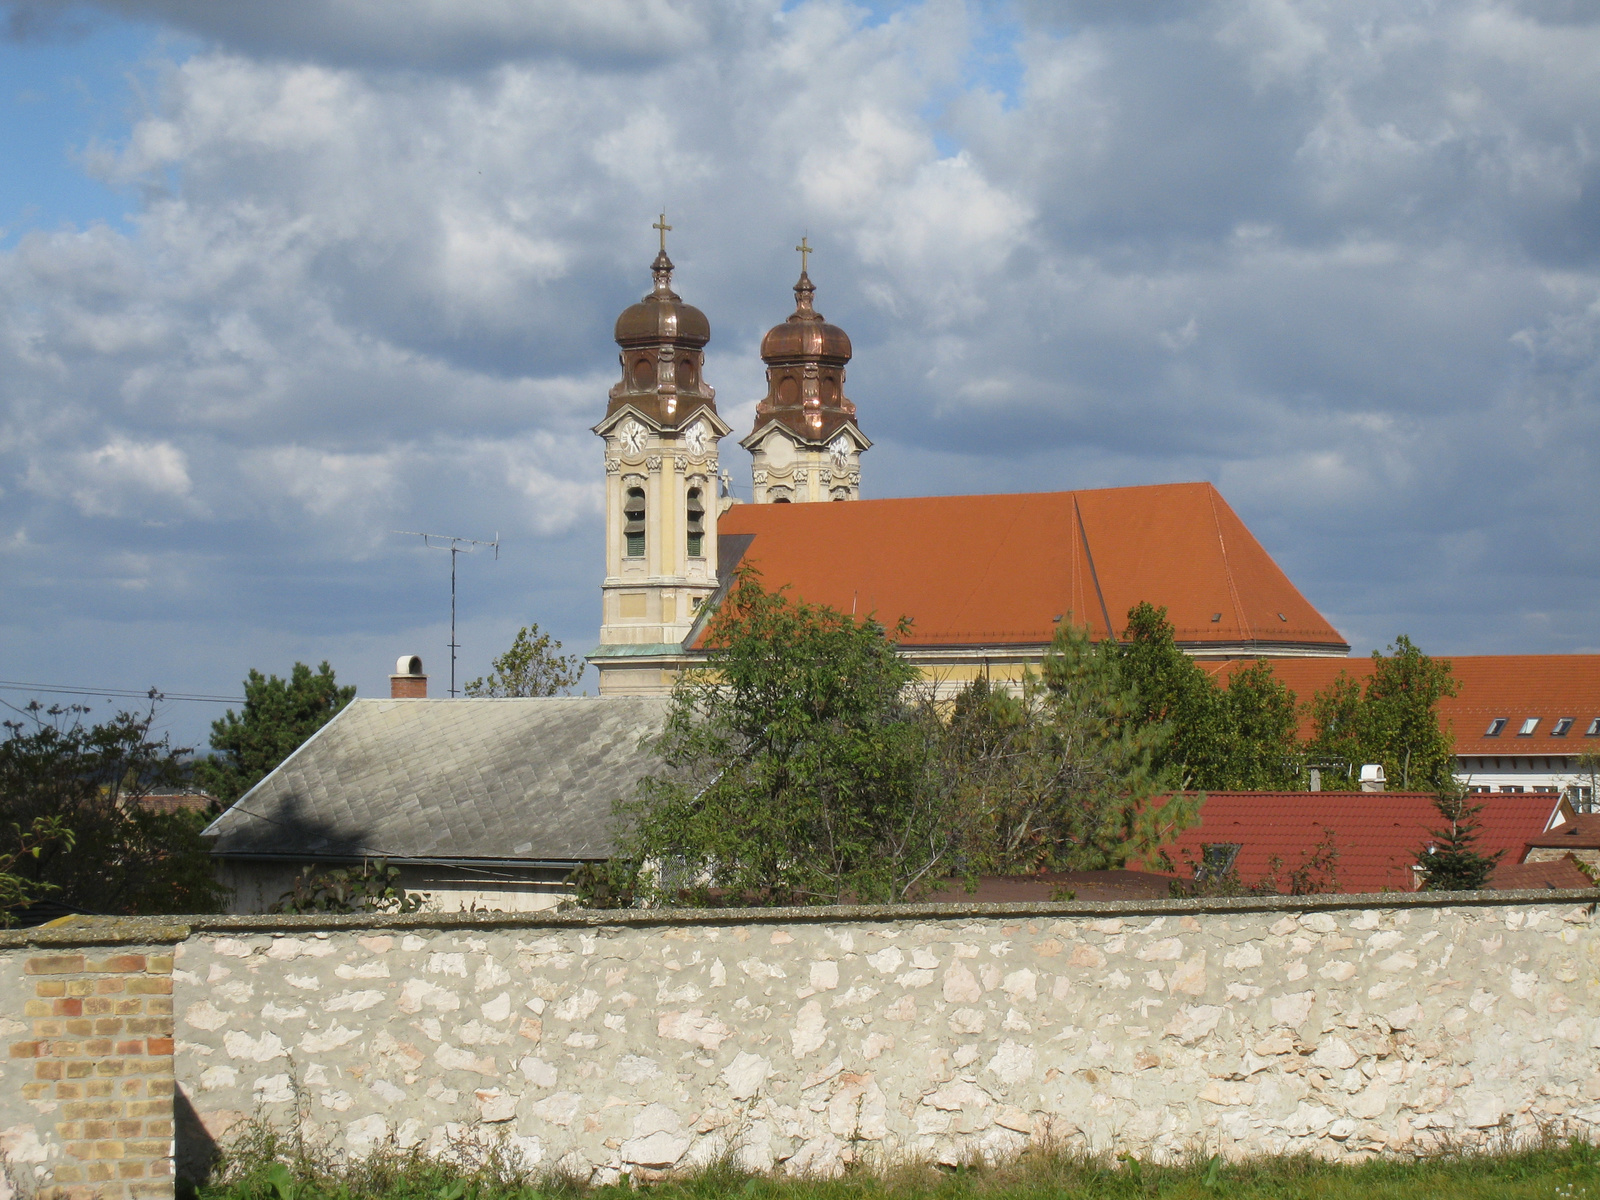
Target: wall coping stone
[[100, 931]]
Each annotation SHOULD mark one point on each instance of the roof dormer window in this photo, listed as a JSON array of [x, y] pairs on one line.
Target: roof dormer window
[[1528, 727], [1495, 726], [1561, 726]]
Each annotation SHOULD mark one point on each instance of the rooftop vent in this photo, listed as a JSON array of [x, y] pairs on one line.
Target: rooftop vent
[[1372, 777]]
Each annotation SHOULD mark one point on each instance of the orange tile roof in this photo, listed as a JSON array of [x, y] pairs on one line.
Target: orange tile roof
[[1378, 834], [1513, 686], [1581, 832], [998, 570]]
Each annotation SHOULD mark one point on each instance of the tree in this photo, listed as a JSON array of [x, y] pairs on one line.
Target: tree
[[1450, 864], [77, 790], [1171, 690], [1114, 782], [19, 891], [1262, 748], [1243, 736], [279, 715], [796, 766], [1393, 720], [531, 667]]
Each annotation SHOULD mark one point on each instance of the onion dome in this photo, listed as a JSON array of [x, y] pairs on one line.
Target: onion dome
[[662, 316], [805, 335], [805, 359], [662, 359]]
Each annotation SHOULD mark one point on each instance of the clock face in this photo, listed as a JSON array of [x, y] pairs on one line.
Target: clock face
[[695, 438], [632, 435], [839, 449]]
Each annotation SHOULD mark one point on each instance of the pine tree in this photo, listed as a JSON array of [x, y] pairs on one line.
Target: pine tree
[[1449, 863]]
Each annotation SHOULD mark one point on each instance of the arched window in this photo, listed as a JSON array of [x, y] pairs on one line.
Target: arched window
[[633, 522], [697, 524]]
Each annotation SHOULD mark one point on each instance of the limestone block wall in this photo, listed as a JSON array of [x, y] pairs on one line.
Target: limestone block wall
[[807, 1039]]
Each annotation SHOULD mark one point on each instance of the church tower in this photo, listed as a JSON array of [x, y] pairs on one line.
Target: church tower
[[661, 431], [805, 444]]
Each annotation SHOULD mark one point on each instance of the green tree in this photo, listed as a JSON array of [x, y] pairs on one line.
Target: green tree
[[1115, 780], [796, 766], [1450, 864], [79, 790], [1261, 751], [19, 891], [531, 667], [1241, 737], [279, 715], [1393, 720], [1170, 689]]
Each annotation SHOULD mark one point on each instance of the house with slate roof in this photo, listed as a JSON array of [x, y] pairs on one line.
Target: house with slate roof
[[484, 804]]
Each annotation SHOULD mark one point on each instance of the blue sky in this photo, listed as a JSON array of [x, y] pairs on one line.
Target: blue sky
[[278, 280]]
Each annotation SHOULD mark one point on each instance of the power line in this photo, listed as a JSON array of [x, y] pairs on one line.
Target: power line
[[14, 685]]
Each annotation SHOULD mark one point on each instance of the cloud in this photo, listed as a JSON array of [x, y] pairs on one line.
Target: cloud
[[1346, 263], [117, 479]]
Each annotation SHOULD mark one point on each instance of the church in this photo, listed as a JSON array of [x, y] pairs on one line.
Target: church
[[985, 580]]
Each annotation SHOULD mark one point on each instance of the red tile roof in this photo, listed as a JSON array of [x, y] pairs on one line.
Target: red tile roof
[[1581, 832], [1513, 686], [1377, 834], [999, 570], [1563, 872]]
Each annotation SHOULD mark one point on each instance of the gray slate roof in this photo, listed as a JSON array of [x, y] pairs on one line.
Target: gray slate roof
[[500, 779]]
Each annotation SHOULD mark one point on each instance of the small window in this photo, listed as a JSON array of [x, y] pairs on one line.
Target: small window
[[633, 522], [697, 524], [1561, 727], [1528, 727], [1594, 728], [1508, 788], [1216, 859], [1479, 788], [1495, 726]]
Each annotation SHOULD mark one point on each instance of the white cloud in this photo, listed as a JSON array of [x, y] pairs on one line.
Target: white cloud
[[117, 479]]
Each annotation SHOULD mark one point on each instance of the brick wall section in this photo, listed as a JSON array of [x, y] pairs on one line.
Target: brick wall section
[[93, 1068]]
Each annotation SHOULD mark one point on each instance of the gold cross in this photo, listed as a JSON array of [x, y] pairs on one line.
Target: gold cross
[[805, 250], [661, 224]]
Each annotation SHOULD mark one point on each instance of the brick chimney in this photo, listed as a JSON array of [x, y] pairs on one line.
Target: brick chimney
[[408, 682]]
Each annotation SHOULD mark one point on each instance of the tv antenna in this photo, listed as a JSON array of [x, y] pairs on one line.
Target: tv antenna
[[456, 545]]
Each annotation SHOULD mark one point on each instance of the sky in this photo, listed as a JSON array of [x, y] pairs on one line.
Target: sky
[[279, 280]]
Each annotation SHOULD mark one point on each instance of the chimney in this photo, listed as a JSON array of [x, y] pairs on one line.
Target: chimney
[[1372, 779], [408, 682]]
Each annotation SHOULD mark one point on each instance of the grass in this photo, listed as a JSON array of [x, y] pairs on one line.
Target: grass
[[261, 1165]]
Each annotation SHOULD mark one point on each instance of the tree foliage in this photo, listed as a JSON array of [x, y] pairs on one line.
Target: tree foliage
[[279, 715], [531, 667], [77, 791], [1392, 720], [795, 765], [805, 766], [1449, 863], [17, 891], [1241, 737]]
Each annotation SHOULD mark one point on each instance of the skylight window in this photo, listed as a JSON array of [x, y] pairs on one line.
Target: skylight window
[[1528, 727], [1499, 723], [1594, 728], [1561, 727]]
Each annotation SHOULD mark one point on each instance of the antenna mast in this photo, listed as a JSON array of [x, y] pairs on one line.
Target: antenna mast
[[456, 545]]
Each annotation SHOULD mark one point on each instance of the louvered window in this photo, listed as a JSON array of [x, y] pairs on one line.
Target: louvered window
[[633, 522], [697, 524]]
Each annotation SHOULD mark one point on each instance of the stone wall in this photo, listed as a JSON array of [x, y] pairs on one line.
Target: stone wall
[[611, 1043]]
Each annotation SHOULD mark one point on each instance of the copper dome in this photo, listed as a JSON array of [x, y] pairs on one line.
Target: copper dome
[[662, 316], [805, 335]]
